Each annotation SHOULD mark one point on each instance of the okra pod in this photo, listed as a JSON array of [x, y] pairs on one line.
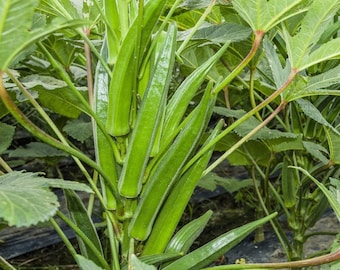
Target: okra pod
[[124, 76], [103, 147], [121, 87], [168, 168], [185, 92], [176, 202], [148, 119]]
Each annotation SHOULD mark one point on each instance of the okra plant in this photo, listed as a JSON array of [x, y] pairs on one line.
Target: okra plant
[[151, 77]]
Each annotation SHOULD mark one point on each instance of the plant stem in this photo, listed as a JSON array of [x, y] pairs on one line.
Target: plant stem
[[113, 244], [5, 265], [86, 240], [245, 138], [5, 165], [62, 235], [332, 257], [40, 134], [197, 25], [242, 119], [258, 38]]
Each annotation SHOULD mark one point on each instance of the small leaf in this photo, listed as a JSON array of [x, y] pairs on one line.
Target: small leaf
[[229, 184], [319, 16], [220, 33], [25, 198], [247, 126], [61, 101], [311, 111], [37, 150], [7, 133], [46, 82], [285, 144], [324, 80], [332, 196], [84, 222], [280, 74], [25, 201], [78, 129], [316, 151], [136, 264], [16, 28], [263, 14], [326, 51], [86, 264], [334, 146]]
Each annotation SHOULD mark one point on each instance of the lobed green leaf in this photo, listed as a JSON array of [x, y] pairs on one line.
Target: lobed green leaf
[[25, 198]]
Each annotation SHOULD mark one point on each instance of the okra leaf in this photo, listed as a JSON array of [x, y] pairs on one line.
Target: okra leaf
[[254, 148], [316, 151], [78, 129], [138, 264], [37, 150], [322, 84], [262, 14], [86, 264], [229, 184], [326, 51], [65, 8], [280, 74], [285, 144], [332, 195], [334, 146], [61, 101], [219, 33], [7, 133], [194, 4], [311, 111], [25, 198], [316, 21], [247, 126], [217, 247], [83, 221], [16, 28]]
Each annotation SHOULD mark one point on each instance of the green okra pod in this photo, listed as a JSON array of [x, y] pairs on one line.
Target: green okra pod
[[103, 147], [148, 119], [177, 201], [185, 92], [168, 169], [124, 77]]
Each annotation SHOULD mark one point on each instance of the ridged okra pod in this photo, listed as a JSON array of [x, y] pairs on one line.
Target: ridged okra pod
[[103, 147], [185, 92], [124, 76], [168, 168], [148, 119], [177, 201]]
